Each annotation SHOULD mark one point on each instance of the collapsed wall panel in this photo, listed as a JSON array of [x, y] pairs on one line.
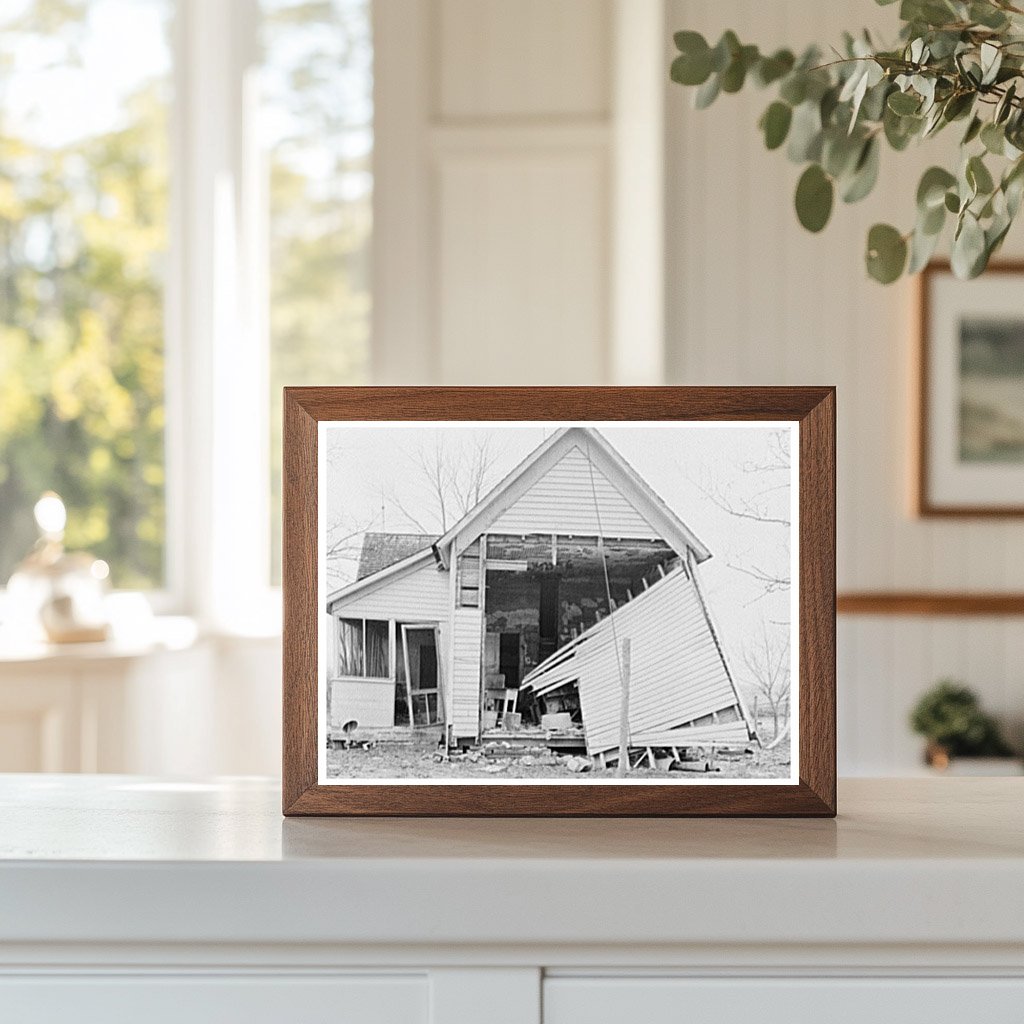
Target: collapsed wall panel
[[677, 672]]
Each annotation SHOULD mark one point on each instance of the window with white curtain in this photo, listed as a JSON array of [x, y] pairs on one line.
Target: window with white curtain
[[364, 648], [185, 221]]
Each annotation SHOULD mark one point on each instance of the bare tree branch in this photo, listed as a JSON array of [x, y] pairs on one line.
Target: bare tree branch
[[766, 658]]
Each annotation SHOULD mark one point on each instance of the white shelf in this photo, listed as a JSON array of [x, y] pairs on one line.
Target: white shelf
[[125, 895], [120, 859]]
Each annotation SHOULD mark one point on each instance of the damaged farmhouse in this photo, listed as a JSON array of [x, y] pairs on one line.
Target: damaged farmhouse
[[563, 613]]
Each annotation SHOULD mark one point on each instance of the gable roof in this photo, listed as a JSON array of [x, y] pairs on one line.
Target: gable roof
[[605, 458], [380, 550], [392, 571], [503, 495]]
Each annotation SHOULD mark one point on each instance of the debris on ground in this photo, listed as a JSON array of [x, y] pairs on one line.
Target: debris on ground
[[401, 753]]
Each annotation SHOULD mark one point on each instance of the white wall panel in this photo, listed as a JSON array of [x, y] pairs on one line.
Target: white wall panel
[[522, 265], [754, 299], [530, 58]]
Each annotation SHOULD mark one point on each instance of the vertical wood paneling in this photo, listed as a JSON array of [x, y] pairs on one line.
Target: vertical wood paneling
[[754, 299], [467, 648]]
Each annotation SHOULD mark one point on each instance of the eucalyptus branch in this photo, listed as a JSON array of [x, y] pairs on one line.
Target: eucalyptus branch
[[956, 61]]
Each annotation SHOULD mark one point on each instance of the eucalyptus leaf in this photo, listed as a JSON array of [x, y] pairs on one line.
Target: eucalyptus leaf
[[840, 152], [771, 69], [886, 253], [922, 247], [993, 138], [690, 70], [968, 248], [873, 107], [985, 14], [735, 74], [1005, 105], [957, 106], [932, 220], [724, 51], [904, 103], [814, 196], [931, 190], [865, 173], [900, 130], [775, 124], [973, 130], [794, 88], [707, 93], [991, 60], [978, 175], [805, 133], [1013, 187]]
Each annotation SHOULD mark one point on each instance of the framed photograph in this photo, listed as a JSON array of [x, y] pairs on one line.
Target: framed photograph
[[970, 451], [559, 601]]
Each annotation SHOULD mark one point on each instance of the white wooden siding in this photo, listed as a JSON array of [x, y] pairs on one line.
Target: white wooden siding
[[370, 702], [419, 594], [676, 670], [465, 711], [562, 501]]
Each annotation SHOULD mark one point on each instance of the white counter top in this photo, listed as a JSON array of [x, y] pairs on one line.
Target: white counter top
[[118, 860]]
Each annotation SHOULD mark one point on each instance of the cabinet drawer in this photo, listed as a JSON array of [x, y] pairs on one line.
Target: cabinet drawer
[[569, 1000], [202, 999]]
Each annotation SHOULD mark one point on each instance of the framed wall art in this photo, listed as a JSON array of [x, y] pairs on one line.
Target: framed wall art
[[559, 601], [970, 445]]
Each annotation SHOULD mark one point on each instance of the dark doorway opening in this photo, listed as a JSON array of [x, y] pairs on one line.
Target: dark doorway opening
[[548, 615], [509, 659]]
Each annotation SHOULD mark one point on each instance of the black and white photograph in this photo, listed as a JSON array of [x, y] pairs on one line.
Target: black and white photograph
[[558, 602]]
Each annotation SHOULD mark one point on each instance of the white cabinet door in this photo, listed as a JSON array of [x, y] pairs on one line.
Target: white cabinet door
[[569, 1000], [202, 999]]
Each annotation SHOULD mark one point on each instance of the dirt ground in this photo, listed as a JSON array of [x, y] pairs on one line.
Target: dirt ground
[[421, 760]]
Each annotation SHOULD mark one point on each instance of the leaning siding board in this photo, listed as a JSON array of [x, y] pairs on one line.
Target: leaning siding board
[[732, 733], [418, 595], [562, 501]]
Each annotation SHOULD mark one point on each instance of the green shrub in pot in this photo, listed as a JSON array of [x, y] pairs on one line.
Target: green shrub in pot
[[950, 717]]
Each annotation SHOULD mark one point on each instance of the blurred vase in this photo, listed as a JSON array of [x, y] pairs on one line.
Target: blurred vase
[[58, 595]]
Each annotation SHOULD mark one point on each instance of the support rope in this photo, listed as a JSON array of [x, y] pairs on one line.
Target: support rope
[[604, 566]]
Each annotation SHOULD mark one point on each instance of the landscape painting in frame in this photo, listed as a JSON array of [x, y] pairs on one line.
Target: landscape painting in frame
[[533, 603], [972, 393]]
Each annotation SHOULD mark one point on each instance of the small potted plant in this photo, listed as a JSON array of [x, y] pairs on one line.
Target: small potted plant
[[950, 718]]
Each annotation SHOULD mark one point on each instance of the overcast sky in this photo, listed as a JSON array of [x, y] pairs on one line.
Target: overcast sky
[[372, 473]]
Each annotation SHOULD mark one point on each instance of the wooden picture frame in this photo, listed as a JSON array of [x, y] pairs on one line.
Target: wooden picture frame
[[941, 490], [812, 412]]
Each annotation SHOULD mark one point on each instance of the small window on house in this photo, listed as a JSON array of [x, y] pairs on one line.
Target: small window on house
[[363, 648], [377, 661]]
